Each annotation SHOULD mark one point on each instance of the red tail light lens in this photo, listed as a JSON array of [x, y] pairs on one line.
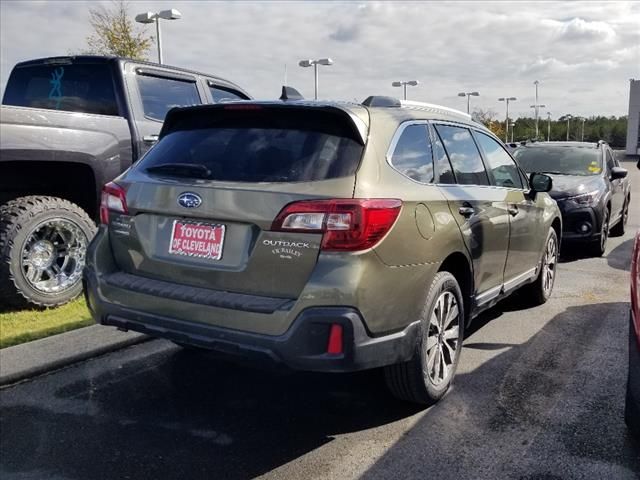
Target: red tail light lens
[[334, 345], [347, 225], [114, 199]]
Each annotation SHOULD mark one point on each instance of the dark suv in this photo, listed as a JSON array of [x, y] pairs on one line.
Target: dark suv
[[589, 185], [325, 236]]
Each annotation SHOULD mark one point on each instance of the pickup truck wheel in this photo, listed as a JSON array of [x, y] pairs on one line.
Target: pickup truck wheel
[[427, 376], [43, 241]]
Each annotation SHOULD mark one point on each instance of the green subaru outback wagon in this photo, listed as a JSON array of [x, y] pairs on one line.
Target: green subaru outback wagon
[[322, 236]]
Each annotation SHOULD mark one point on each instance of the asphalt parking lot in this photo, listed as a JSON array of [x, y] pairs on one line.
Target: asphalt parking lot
[[539, 394]]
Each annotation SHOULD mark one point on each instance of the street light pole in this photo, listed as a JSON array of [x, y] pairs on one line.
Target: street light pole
[[159, 39], [404, 84], [315, 63], [583, 120], [151, 17], [536, 82], [468, 95], [548, 126], [569, 117], [506, 123]]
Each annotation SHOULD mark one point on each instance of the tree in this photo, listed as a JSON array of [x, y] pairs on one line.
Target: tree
[[488, 119], [116, 34]]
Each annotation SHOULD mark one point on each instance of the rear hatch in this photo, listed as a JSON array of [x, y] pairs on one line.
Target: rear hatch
[[201, 204]]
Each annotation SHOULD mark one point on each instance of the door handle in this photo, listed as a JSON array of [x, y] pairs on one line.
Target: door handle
[[150, 138], [466, 211], [513, 210]]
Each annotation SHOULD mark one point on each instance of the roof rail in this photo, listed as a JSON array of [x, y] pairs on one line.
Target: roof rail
[[383, 101], [434, 107]]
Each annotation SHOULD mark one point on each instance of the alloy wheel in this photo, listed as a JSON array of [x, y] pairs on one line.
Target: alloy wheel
[[442, 339], [549, 264]]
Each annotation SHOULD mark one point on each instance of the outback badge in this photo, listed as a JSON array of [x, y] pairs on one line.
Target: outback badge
[[189, 200]]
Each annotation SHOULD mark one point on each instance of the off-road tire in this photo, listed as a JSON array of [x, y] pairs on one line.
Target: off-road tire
[[535, 292], [17, 219], [407, 380]]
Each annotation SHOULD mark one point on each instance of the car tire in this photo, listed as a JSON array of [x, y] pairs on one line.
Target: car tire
[[541, 289], [427, 376], [598, 247], [620, 227], [43, 244]]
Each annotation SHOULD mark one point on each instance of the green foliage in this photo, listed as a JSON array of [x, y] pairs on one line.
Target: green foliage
[[116, 34], [612, 130]]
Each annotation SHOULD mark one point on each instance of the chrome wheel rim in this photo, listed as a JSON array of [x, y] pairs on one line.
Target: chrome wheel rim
[[53, 256], [549, 265], [625, 213], [442, 340]]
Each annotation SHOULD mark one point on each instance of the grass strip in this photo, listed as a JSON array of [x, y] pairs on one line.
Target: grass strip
[[21, 326]]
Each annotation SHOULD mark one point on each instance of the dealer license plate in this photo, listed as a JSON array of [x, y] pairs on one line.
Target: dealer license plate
[[195, 239]]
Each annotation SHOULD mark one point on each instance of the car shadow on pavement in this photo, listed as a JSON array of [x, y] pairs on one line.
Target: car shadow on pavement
[[177, 414]]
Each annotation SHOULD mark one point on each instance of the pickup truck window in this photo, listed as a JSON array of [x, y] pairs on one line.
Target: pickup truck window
[[220, 94], [160, 94], [85, 88]]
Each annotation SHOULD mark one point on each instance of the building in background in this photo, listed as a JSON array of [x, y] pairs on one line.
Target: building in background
[[633, 121]]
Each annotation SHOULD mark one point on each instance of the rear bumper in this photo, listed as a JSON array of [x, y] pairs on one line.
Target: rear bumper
[[632, 406], [302, 347]]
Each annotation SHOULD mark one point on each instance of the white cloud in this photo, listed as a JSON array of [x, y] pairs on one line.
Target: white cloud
[[496, 48]]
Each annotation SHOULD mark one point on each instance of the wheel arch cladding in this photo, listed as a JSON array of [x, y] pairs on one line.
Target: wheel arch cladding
[[458, 265]]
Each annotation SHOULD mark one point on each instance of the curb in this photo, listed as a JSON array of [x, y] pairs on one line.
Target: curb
[[38, 357]]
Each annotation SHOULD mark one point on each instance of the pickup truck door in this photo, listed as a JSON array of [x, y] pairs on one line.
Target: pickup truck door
[[152, 92]]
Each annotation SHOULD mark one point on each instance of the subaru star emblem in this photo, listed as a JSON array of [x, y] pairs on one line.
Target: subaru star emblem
[[189, 200]]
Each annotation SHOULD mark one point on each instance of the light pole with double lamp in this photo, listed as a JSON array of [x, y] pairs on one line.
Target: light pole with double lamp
[[151, 17], [506, 123], [548, 126], [537, 108], [404, 84], [314, 64], [583, 120], [468, 95], [569, 117]]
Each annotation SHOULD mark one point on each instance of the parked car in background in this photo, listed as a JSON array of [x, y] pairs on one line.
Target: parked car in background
[[323, 236], [68, 125], [591, 188], [632, 404]]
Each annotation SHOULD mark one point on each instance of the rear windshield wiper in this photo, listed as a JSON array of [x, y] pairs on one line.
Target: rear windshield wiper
[[181, 170]]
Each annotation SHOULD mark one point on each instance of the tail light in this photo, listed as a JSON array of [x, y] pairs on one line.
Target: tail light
[[347, 225], [113, 199]]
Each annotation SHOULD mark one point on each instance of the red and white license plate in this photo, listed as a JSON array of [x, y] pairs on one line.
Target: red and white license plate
[[200, 240]]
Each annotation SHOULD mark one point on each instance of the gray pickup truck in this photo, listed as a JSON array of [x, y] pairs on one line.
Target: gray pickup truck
[[68, 125]]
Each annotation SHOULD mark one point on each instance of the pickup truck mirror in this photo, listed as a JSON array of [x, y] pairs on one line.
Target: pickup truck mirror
[[540, 182]]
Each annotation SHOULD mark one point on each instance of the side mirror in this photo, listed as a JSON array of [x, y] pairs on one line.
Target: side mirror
[[540, 182], [618, 172]]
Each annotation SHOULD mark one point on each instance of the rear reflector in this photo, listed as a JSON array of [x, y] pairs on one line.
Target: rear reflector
[[113, 199], [347, 225], [334, 345]]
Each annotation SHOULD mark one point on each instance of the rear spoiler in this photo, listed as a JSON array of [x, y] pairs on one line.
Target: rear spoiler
[[179, 118]]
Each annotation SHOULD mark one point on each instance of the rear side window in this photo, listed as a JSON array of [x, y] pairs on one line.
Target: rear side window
[[161, 94], [280, 145], [412, 154], [84, 88], [464, 155], [220, 94], [502, 168], [444, 172]]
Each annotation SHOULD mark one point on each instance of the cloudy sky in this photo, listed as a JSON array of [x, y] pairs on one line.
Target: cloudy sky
[[583, 53]]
